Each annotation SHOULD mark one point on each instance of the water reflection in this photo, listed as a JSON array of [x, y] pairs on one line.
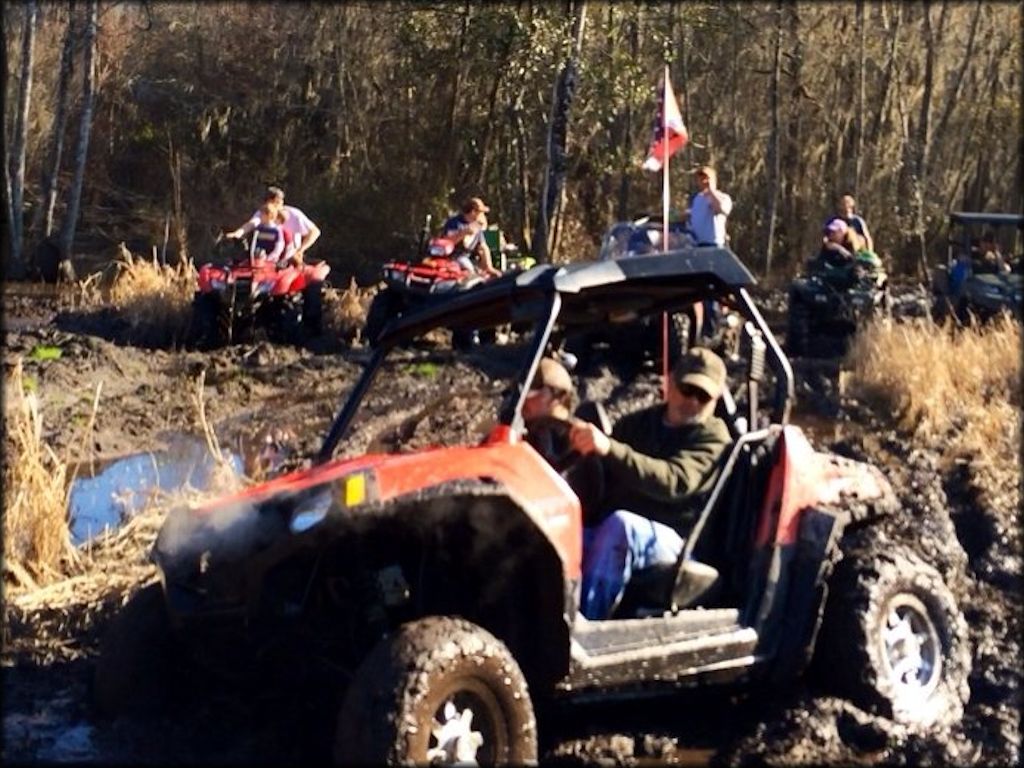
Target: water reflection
[[124, 486]]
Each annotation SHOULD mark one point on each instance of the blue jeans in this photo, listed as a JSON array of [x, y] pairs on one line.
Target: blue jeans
[[624, 542]]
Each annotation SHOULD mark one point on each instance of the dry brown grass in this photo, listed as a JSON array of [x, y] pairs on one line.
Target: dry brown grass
[[345, 311], [960, 386], [37, 542], [152, 296]]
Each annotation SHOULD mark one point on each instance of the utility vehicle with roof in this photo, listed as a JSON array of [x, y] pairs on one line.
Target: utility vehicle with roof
[[964, 284], [436, 589]]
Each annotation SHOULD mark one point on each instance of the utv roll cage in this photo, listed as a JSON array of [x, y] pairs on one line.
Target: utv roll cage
[[583, 294]]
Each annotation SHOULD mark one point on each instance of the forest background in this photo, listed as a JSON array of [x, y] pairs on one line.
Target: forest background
[[158, 124]]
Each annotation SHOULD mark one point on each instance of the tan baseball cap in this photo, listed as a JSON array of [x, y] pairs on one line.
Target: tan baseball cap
[[700, 367]]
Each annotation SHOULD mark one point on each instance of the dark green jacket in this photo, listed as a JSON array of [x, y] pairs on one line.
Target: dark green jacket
[[663, 473]]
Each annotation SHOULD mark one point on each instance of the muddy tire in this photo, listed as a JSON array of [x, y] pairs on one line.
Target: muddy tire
[[204, 332], [135, 667], [894, 640], [313, 308], [438, 689], [384, 306], [798, 330]]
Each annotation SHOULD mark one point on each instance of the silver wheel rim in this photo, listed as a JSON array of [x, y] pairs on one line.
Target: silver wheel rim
[[911, 651], [452, 738]]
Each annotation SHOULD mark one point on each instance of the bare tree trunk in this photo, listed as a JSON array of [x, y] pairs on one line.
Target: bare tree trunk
[[67, 234], [453, 104], [922, 138], [562, 97], [890, 73], [42, 222], [858, 156], [627, 129], [774, 169], [14, 165]]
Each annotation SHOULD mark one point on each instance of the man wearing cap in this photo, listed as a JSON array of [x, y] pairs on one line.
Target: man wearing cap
[[551, 398], [660, 463], [467, 228], [300, 231]]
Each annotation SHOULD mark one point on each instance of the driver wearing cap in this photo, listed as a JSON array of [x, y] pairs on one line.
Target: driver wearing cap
[[660, 463]]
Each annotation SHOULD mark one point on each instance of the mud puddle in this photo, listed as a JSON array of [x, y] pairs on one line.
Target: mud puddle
[[105, 496]]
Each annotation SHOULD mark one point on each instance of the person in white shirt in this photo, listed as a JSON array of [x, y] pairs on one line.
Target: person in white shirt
[[299, 228], [709, 208]]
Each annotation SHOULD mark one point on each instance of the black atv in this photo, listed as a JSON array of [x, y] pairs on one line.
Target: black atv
[[830, 302]]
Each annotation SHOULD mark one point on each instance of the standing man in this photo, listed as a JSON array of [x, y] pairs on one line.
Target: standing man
[[299, 228], [660, 464], [846, 209], [709, 208]]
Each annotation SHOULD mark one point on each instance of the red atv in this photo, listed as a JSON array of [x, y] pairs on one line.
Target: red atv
[[441, 270], [244, 291], [434, 591]]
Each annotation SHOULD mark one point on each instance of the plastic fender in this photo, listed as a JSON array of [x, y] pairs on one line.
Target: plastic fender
[[287, 280], [804, 478], [544, 495], [207, 274], [515, 465]]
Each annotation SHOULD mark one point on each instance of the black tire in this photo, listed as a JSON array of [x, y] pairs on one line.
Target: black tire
[[313, 308], [384, 306], [135, 667], [874, 601], [205, 327], [434, 668], [798, 329]]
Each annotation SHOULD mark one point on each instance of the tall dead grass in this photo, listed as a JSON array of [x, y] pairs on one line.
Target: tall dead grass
[[155, 299], [37, 541], [960, 386]]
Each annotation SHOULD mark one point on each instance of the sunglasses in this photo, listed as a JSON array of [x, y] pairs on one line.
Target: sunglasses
[[688, 390]]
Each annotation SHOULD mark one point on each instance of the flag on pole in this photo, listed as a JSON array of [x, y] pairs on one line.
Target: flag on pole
[[669, 130]]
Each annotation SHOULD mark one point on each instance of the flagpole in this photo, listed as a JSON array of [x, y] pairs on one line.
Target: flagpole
[[664, 224]]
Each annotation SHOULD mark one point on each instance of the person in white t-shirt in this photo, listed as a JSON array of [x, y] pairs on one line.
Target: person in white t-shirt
[[300, 229], [709, 208]]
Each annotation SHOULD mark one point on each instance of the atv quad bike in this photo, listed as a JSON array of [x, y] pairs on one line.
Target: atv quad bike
[[627, 345], [435, 589], [829, 303], [962, 285], [437, 274], [242, 291]]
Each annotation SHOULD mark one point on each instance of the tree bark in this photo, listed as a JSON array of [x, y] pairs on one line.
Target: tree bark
[[563, 94], [42, 222], [15, 164], [858, 156], [67, 234], [774, 170]]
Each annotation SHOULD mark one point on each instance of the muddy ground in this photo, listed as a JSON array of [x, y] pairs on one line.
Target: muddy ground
[[290, 394]]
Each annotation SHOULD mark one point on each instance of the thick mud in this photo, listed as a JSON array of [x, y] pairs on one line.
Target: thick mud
[[262, 394]]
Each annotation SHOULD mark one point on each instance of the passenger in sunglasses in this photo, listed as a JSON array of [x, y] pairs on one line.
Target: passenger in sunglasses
[[659, 464]]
